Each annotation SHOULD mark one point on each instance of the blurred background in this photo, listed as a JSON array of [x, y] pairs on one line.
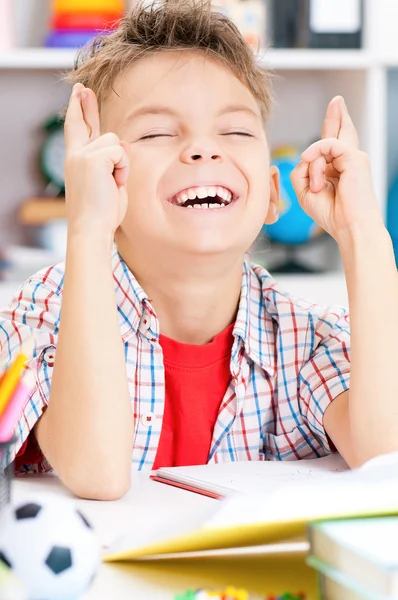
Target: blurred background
[[317, 49]]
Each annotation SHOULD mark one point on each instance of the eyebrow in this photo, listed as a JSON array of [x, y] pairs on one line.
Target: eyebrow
[[166, 110]]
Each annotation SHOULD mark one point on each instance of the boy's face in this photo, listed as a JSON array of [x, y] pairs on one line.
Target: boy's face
[[194, 131]]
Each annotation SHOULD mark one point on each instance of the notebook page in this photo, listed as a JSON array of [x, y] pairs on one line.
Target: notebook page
[[255, 477], [372, 489]]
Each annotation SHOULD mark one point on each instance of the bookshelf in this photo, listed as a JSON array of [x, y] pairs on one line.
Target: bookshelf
[[32, 90]]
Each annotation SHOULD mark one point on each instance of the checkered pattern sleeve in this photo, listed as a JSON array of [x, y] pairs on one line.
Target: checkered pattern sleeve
[[34, 314], [326, 374]]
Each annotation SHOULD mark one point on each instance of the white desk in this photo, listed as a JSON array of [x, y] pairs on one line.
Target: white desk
[[148, 507]]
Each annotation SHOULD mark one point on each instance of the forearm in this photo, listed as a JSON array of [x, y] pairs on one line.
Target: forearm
[[372, 285], [87, 431]]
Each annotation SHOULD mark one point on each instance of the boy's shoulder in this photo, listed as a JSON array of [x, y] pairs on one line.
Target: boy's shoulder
[[277, 298], [50, 278], [291, 315], [263, 293]]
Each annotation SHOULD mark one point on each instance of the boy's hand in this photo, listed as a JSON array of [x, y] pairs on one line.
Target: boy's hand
[[333, 181], [96, 169]]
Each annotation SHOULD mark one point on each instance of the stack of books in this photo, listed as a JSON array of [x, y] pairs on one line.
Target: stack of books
[[357, 559]]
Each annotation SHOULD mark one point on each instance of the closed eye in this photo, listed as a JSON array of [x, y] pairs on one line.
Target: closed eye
[[244, 133], [155, 135]]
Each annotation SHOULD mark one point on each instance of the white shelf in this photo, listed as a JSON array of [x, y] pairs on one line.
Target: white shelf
[[60, 58], [37, 58], [317, 59]]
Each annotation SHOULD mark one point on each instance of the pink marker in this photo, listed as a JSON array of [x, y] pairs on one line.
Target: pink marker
[[11, 415]]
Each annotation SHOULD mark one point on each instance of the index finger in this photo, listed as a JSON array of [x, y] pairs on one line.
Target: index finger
[[338, 123], [76, 132], [332, 122], [91, 113], [348, 134]]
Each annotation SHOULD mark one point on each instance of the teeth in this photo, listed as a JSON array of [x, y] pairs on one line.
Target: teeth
[[205, 206], [203, 192], [225, 194]]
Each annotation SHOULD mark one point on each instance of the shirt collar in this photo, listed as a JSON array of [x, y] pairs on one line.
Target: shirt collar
[[254, 325], [130, 297]]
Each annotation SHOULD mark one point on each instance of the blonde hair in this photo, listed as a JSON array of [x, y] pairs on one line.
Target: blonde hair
[[170, 25]]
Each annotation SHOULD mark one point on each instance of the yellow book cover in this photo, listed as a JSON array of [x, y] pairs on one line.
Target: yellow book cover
[[279, 510]]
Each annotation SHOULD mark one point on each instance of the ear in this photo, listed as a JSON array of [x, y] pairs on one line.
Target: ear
[[273, 209]]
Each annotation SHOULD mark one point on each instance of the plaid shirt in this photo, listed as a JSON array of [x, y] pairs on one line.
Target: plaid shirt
[[289, 360]]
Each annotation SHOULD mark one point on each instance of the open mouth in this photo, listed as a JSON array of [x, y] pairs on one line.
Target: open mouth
[[205, 197]]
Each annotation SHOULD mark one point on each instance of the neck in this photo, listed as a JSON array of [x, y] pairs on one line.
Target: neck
[[195, 298]]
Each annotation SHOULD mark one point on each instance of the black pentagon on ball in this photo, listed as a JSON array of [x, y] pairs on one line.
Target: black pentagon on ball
[[5, 560], [59, 559], [83, 518], [27, 511]]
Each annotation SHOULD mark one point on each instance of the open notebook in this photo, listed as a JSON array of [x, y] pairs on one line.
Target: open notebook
[[228, 479], [269, 503]]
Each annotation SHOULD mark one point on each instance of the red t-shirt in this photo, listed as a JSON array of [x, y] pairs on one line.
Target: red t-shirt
[[197, 378]]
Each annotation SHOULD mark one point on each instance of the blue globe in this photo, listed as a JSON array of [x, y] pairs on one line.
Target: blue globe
[[294, 226]]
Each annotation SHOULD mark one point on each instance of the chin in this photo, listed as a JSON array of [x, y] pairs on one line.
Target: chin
[[212, 248]]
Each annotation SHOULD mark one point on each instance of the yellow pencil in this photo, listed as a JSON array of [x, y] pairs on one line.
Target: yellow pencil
[[10, 381]]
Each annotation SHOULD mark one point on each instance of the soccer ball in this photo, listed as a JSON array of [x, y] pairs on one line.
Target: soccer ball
[[50, 547]]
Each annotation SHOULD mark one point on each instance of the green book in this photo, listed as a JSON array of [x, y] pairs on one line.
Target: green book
[[361, 555]]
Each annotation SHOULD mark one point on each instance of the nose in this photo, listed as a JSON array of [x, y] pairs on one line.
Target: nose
[[201, 153], [196, 157]]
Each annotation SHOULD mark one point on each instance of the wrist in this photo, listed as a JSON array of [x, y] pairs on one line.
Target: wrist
[[366, 249], [363, 234], [89, 239]]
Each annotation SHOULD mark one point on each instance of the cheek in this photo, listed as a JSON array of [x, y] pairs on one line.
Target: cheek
[[255, 164], [142, 178], [259, 181]]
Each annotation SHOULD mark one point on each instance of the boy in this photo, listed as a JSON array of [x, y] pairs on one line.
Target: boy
[[172, 349]]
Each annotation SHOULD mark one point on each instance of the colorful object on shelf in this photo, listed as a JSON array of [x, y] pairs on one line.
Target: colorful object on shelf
[[249, 16], [49, 546], [231, 593], [88, 6], [294, 226], [75, 22], [392, 216], [52, 155]]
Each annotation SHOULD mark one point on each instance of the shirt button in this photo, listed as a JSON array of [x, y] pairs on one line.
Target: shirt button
[[147, 419], [145, 324], [49, 357]]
